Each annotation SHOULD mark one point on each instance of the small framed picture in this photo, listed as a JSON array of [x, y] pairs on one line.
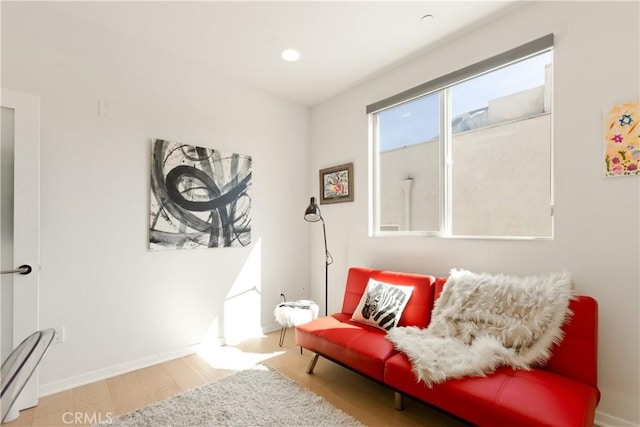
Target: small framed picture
[[336, 184]]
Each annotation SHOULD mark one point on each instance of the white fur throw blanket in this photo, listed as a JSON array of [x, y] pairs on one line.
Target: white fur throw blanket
[[483, 321]]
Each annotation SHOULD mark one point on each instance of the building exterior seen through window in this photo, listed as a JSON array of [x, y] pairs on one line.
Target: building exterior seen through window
[[471, 159]]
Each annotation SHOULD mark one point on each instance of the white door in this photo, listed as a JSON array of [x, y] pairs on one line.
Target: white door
[[19, 225]]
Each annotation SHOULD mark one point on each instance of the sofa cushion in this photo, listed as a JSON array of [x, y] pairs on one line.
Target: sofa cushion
[[497, 399], [361, 347], [382, 304], [580, 337], [418, 309]]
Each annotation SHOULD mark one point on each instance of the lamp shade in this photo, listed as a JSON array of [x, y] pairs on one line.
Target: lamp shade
[[312, 214]]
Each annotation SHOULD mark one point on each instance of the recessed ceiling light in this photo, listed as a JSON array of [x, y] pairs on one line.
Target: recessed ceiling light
[[290, 55]]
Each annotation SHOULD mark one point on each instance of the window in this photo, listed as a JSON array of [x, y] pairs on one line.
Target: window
[[468, 154]]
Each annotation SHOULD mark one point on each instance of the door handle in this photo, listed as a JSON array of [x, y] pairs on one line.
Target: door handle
[[23, 269]]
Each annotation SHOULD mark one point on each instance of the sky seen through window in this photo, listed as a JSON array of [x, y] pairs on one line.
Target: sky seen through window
[[418, 120]]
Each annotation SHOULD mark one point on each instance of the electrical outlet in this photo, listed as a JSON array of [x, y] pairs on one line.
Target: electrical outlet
[[104, 109], [58, 336]]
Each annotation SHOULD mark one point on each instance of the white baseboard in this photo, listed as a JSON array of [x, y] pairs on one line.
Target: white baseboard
[[112, 371], [270, 328], [606, 420]]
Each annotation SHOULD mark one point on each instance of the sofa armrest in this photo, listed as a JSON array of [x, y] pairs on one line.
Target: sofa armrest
[[577, 355]]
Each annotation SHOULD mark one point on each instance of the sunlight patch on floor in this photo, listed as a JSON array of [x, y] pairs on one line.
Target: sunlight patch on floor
[[232, 358]]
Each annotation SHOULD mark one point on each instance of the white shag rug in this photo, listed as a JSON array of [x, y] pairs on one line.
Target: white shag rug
[[253, 397], [483, 321]]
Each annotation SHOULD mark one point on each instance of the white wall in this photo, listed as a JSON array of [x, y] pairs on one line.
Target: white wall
[[596, 65], [120, 304]]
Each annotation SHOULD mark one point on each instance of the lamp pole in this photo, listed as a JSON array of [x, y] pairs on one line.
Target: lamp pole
[[326, 270], [312, 214]]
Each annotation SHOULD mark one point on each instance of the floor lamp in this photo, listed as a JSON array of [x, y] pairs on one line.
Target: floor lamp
[[312, 214]]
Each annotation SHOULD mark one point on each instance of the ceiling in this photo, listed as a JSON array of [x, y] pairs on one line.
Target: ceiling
[[341, 42]]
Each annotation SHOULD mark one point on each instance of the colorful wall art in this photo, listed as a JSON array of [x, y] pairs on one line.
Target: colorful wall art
[[200, 197], [622, 140], [336, 184]]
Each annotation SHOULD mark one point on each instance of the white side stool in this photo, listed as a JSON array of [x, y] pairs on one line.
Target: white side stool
[[294, 313]]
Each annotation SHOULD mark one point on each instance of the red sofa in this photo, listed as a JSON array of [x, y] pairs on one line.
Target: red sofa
[[562, 393]]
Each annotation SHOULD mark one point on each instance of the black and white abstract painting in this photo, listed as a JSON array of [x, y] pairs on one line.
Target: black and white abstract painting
[[200, 197]]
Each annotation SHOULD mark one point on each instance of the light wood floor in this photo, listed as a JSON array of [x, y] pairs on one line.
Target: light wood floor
[[368, 401]]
